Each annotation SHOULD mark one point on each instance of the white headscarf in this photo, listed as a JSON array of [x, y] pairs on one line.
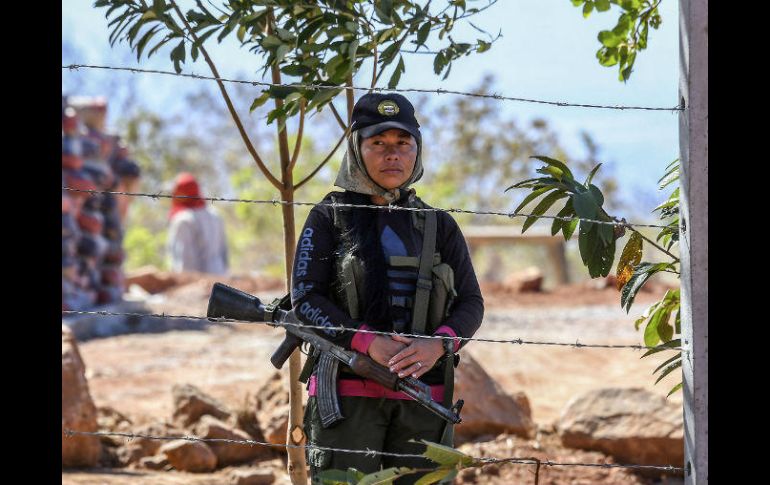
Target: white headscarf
[[353, 176]]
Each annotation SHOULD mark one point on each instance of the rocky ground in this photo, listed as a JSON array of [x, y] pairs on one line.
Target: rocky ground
[[134, 374]]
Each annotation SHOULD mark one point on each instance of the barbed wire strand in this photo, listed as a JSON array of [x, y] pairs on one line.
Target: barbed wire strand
[[369, 452], [517, 341], [389, 207], [499, 97]]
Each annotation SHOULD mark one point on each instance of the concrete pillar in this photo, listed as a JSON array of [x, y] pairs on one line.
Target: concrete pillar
[[693, 147]]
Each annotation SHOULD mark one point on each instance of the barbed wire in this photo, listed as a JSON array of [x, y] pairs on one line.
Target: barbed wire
[[369, 452], [499, 97], [517, 341], [389, 207]]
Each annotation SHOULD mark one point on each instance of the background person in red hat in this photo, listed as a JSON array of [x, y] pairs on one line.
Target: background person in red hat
[[196, 236]]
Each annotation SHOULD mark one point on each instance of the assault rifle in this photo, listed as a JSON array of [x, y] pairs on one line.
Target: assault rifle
[[230, 303]]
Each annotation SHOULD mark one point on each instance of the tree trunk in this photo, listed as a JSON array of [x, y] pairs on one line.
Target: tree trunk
[[295, 435]]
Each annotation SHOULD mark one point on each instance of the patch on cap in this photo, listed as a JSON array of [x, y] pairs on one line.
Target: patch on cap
[[388, 108]]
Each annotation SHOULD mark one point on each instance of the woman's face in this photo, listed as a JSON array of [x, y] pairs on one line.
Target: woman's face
[[389, 157]]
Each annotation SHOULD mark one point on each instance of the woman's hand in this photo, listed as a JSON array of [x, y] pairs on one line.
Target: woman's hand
[[382, 349], [419, 356]]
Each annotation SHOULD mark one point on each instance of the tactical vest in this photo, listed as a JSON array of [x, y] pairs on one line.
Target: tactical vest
[[435, 291]]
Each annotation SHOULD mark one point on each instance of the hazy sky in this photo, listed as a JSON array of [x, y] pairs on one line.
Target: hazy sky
[[547, 52]]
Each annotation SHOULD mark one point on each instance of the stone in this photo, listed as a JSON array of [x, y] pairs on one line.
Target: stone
[[111, 419], [251, 476], [272, 409], [229, 453], [631, 424], [488, 409], [157, 462], [190, 403], [189, 456], [77, 408], [528, 280], [151, 279]]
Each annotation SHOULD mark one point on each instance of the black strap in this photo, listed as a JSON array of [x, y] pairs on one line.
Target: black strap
[[425, 276]]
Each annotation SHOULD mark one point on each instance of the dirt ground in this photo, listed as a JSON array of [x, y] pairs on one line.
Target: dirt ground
[[135, 373]]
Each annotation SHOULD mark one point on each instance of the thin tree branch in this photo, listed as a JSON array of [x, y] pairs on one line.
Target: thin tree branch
[[249, 146], [328, 157], [298, 143], [374, 68], [351, 100], [337, 115]]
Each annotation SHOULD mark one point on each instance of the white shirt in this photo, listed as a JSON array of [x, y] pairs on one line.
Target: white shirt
[[196, 242]]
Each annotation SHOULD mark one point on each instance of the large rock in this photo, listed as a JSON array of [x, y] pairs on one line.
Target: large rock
[[189, 456], [136, 449], [190, 403], [251, 476], [229, 453], [631, 424], [78, 411], [488, 409], [272, 409]]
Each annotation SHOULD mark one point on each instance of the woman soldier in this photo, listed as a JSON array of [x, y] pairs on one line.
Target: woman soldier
[[387, 270]]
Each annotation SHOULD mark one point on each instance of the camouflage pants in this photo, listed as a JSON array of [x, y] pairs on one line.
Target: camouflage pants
[[377, 424]]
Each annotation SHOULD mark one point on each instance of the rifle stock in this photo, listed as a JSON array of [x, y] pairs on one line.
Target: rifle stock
[[228, 302]]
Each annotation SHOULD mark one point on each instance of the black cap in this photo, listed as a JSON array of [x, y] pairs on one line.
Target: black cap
[[377, 112]]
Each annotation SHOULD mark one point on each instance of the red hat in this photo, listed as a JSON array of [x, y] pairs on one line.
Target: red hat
[[185, 184]]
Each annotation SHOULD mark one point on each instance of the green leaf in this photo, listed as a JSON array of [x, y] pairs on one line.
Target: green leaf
[[642, 273], [543, 206], [606, 233], [568, 228], [556, 163], [665, 346], [588, 242], [587, 8], [145, 38], [436, 476], [422, 33], [385, 476], [586, 208], [445, 455], [609, 39], [397, 73], [674, 389], [608, 56], [667, 362], [533, 195], [602, 5], [591, 175], [607, 256], [439, 62], [651, 336], [177, 55], [554, 171], [529, 182], [597, 194], [668, 370], [334, 477], [566, 211], [281, 52], [259, 101]]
